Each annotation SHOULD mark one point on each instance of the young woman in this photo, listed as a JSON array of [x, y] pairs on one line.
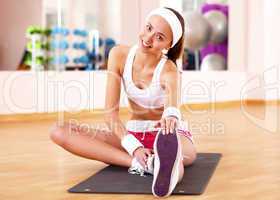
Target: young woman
[[155, 139]]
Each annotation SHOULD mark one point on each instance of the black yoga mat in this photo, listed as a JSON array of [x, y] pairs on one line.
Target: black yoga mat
[[115, 179]]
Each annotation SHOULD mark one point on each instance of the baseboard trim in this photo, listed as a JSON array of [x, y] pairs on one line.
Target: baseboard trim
[[124, 111]]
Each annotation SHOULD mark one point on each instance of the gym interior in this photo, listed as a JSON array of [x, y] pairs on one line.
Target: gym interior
[[53, 67]]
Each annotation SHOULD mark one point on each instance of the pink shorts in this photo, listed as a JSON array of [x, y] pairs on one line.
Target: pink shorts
[[145, 132]]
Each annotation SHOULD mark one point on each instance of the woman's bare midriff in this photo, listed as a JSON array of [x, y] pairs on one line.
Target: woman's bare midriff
[[139, 113]]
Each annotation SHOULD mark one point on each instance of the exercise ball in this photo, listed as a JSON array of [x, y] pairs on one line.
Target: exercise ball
[[213, 62], [219, 26], [197, 31]]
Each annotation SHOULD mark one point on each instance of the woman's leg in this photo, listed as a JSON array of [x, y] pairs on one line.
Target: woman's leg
[[93, 144], [188, 153], [188, 150], [172, 153]]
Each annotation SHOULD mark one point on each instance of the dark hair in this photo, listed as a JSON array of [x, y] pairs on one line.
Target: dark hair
[[175, 52]]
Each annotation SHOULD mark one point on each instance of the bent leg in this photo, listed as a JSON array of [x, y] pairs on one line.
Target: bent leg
[[188, 154], [94, 144], [188, 150]]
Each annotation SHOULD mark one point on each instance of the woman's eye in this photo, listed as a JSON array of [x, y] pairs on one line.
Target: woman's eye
[[148, 27], [159, 38]]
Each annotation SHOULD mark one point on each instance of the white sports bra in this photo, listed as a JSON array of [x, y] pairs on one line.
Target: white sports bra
[[153, 95]]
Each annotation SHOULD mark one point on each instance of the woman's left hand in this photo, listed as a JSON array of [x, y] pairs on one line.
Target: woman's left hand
[[168, 124]]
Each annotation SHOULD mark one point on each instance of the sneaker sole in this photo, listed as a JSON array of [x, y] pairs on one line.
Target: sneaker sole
[[167, 161]]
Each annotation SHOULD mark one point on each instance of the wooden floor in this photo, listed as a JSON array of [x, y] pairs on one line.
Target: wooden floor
[[32, 167]]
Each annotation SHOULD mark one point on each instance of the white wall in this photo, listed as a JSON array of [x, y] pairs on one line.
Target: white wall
[[133, 14], [15, 17], [237, 50], [263, 48], [255, 36], [254, 45], [32, 92], [110, 22], [272, 33], [272, 49], [172, 4], [130, 23]]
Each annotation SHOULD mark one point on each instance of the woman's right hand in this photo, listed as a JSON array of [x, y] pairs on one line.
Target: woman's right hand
[[142, 154]]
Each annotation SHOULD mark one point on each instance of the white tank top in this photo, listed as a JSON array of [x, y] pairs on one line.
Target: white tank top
[[153, 95]]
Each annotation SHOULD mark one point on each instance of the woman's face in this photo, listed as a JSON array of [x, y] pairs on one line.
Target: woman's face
[[155, 36]]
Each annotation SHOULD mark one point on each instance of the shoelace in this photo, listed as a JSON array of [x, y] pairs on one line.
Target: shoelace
[[140, 171], [136, 170]]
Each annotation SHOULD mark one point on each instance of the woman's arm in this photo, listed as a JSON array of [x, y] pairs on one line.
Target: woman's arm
[[172, 86], [113, 90]]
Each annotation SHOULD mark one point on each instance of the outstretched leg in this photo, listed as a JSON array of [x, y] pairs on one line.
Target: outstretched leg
[[172, 153], [93, 144], [168, 164]]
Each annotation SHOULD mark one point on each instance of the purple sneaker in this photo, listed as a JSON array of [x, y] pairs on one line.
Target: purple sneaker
[[168, 155]]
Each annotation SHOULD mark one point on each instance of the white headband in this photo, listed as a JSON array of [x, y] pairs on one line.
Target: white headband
[[172, 20]]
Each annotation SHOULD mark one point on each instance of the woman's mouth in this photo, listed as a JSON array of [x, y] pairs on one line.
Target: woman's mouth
[[145, 45]]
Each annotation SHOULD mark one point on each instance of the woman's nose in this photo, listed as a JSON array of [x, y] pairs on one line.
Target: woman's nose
[[149, 37]]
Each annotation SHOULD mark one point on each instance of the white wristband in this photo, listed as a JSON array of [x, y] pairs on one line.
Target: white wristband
[[172, 111], [130, 143]]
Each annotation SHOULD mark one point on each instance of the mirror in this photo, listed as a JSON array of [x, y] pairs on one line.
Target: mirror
[[58, 34], [206, 37], [78, 34]]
